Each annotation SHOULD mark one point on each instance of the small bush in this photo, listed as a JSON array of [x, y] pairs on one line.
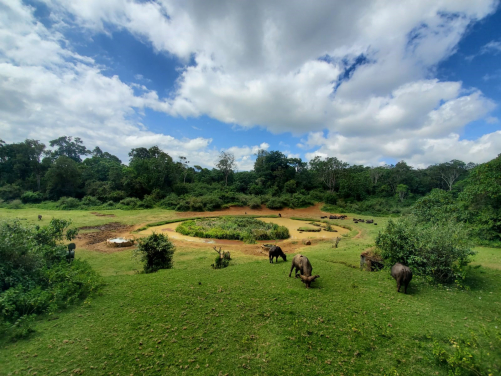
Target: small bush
[[170, 202], [155, 252], [330, 198], [68, 203], [90, 201], [255, 203], [30, 197], [183, 206], [15, 204], [276, 203], [130, 203]]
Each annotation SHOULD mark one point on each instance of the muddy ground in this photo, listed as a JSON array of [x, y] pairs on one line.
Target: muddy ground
[[94, 238]]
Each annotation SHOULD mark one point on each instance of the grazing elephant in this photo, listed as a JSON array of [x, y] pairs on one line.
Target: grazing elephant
[[402, 275], [275, 252]]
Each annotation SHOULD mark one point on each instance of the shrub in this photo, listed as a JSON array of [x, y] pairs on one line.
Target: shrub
[[155, 252], [147, 203], [439, 251], [90, 201], [30, 197], [116, 196], [68, 203], [211, 203], [34, 274], [15, 204], [130, 203], [275, 203], [330, 198], [300, 201], [255, 203], [196, 204], [169, 202], [183, 206]]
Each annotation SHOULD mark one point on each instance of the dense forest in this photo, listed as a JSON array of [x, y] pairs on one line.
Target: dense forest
[[70, 176]]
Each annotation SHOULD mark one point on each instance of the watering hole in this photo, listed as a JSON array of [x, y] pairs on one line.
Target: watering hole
[[292, 224]]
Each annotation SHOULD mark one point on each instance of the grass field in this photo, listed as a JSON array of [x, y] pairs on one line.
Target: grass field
[[252, 319]]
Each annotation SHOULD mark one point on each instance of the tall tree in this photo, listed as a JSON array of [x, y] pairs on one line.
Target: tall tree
[[226, 164], [35, 152], [69, 148], [451, 171], [329, 171], [183, 163]]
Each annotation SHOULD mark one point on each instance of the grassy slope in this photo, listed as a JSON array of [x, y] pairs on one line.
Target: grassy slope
[[252, 319]]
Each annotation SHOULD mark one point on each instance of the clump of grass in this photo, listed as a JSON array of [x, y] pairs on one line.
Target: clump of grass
[[309, 229]]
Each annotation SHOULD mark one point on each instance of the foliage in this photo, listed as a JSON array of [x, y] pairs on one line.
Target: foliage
[[34, 274], [130, 203], [155, 252], [255, 203], [233, 228], [439, 251], [68, 203], [15, 204], [276, 203], [30, 197]]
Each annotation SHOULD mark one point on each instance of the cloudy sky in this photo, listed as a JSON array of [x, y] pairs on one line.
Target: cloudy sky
[[369, 82]]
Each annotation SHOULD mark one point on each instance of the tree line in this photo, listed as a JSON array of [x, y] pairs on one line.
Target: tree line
[[73, 175]]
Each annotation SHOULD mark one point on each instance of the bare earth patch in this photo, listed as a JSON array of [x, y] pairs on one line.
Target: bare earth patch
[[96, 239]]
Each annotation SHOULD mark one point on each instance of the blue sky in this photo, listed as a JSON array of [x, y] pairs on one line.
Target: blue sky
[[367, 82]]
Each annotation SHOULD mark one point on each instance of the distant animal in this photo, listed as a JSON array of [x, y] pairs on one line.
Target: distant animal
[[39, 217], [369, 221], [375, 224], [323, 217], [70, 255], [245, 212], [275, 252], [280, 215], [402, 275], [308, 280]]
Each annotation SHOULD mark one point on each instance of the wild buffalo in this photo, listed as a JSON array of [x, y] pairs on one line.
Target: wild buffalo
[[402, 275], [275, 252]]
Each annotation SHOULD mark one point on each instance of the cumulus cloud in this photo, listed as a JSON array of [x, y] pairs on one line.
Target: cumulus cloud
[[355, 77], [47, 90]]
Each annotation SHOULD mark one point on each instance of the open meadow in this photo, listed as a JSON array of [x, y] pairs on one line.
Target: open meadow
[[252, 319]]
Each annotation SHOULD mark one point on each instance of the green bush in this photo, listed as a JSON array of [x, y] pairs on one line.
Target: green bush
[[15, 204], [439, 251], [155, 252], [330, 198], [183, 206], [68, 203], [130, 203], [116, 196], [255, 203], [211, 203], [300, 201], [90, 201], [276, 203], [30, 197], [148, 202], [170, 201], [34, 274]]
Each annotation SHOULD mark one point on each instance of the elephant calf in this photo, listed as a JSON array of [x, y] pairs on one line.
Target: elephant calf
[[402, 275]]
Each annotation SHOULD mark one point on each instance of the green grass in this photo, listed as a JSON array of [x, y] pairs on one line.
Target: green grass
[[309, 229], [251, 318]]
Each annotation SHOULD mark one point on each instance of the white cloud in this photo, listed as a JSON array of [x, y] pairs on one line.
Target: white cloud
[[493, 46], [491, 120], [282, 65]]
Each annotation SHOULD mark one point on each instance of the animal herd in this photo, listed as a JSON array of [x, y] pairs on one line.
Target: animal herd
[[401, 273]]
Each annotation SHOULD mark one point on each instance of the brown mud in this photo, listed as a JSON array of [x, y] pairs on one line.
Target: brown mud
[[96, 240]]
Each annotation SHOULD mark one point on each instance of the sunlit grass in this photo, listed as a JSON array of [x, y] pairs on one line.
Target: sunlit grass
[[251, 318]]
